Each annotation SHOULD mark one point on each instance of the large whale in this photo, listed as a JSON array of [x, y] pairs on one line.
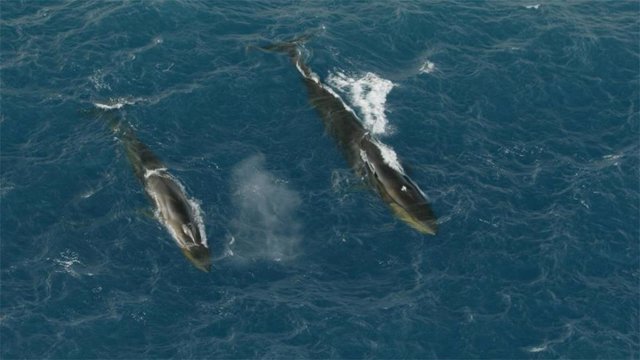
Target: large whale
[[173, 208], [369, 157]]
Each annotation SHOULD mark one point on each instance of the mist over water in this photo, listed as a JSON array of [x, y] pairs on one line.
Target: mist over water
[[266, 225]]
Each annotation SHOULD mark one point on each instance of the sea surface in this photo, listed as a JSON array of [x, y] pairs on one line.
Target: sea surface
[[518, 119]]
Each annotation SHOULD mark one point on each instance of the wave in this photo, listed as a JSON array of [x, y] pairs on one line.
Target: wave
[[389, 156], [369, 94], [428, 67], [114, 104]]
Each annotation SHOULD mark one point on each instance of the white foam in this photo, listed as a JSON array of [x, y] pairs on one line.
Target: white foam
[[158, 171], [300, 69], [390, 157], [108, 107], [536, 6], [87, 194], [613, 156], [114, 104], [197, 214], [369, 94], [365, 159], [98, 81], [428, 67], [335, 94], [535, 349], [67, 261], [547, 343], [312, 76]]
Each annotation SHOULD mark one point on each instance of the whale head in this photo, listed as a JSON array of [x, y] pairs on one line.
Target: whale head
[[199, 256], [404, 197], [189, 238], [424, 224]]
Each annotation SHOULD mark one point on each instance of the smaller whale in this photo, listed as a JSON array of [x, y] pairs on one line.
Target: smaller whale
[[369, 157], [175, 211]]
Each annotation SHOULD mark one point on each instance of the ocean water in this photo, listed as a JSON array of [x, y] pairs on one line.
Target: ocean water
[[519, 120]]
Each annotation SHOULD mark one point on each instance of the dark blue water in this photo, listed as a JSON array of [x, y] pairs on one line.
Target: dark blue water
[[518, 120]]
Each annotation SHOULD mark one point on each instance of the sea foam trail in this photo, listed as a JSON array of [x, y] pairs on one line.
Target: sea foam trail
[[114, 104], [369, 94]]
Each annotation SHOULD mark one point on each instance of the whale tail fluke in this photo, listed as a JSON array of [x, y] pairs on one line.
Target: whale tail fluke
[[293, 49], [112, 115], [289, 47]]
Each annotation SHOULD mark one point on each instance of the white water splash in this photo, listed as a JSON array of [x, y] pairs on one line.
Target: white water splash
[[67, 261], [547, 343], [151, 172], [197, 214], [98, 81], [108, 107], [311, 75], [428, 67], [390, 157], [114, 104], [535, 349], [535, 7], [369, 94]]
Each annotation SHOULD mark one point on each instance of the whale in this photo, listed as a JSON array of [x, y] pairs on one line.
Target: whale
[[173, 208], [371, 159]]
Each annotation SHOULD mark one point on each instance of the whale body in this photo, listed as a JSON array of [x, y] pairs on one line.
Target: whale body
[[175, 211], [369, 157]]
